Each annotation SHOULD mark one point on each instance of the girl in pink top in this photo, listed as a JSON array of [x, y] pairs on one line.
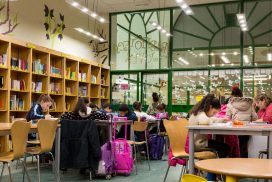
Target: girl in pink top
[[264, 103]]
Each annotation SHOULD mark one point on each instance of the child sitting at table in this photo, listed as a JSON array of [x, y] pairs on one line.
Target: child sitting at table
[[106, 108], [137, 106], [162, 114]]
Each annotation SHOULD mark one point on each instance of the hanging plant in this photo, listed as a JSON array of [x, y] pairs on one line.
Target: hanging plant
[[53, 27]]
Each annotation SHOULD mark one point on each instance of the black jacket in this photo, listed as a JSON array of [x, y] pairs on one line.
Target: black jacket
[[80, 146], [35, 113]]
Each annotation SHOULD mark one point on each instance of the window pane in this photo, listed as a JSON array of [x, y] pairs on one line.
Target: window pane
[[189, 87], [190, 59]]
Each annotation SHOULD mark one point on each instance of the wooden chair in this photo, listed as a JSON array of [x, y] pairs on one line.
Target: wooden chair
[[192, 178], [47, 131], [19, 133], [140, 126], [177, 133]]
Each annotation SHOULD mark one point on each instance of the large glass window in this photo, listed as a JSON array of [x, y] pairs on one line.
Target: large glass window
[[189, 87]]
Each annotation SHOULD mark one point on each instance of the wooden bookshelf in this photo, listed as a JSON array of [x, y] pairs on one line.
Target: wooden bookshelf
[[27, 71]]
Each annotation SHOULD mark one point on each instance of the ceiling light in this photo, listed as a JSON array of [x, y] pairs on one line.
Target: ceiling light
[[235, 53], [184, 6], [168, 34], [159, 27], [89, 34], [85, 10], [79, 29], [93, 15], [154, 24], [246, 59], [201, 54], [223, 53], [179, 1], [163, 31], [189, 12], [269, 56], [225, 59], [242, 21], [75, 4], [212, 54], [183, 61]]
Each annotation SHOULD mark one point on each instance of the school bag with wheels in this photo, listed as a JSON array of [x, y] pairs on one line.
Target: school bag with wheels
[[123, 161], [156, 144]]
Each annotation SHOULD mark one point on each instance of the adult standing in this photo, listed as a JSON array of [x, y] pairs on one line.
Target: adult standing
[[152, 109]]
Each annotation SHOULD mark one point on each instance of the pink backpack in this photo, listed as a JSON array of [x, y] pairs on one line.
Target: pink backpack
[[122, 152]]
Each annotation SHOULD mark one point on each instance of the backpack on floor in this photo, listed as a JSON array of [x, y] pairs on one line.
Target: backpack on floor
[[105, 167], [156, 144], [122, 153]]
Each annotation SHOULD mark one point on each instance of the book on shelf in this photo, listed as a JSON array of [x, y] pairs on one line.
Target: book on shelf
[[2, 81], [103, 82], [19, 64], [102, 92], [18, 85], [3, 60], [54, 71], [16, 103], [82, 76], [37, 86], [55, 88], [1, 104], [38, 67], [70, 74], [93, 79], [83, 91], [69, 90]]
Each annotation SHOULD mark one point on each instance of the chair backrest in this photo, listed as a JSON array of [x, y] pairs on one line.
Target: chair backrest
[[19, 133], [177, 133], [47, 132], [139, 126], [192, 178]]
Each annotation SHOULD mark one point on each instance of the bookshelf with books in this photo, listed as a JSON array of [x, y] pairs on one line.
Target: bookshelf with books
[[20, 58], [40, 62], [84, 79], [95, 84], [4, 47], [56, 66]]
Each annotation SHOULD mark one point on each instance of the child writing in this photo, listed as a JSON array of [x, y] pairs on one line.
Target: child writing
[[39, 110], [161, 113]]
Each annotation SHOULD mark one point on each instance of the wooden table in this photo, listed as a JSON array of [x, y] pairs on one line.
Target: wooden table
[[235, 168], [263, 130], [5, 129]]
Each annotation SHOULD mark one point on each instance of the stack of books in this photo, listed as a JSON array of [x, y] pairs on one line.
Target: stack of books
[[19, 64], [18, 85], [38, 67], [3, 60], [56, 71], [70, 74], [82, 76], [16, 103], [55, 88], [37, 86], [83, 91]]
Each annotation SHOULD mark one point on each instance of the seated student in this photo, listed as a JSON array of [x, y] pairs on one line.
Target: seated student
[[93, 106], [106, 108], [161, 113], [202, 114], [264, 103], [38, 110], [83, 112], [124, 111], [137, 106]]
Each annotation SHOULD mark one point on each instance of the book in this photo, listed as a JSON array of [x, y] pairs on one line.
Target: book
[[54, 71], [38, 67], [93, 79], [18, 85], [55, 88], [3, 60], [2, 81], [83, 91], [70, 74], [37, 86], [19, 64], [16, 103], [82, 76]]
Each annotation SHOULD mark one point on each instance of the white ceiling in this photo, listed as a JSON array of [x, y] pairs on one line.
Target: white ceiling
[[107, 6]]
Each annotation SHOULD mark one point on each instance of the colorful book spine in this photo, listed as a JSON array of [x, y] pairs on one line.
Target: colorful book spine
[[38, 67], [18, 85]]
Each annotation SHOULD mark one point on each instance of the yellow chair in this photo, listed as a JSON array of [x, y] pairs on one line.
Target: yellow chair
[[46, 132], [19, 133], [177, 133], [140, 127], [192, 178]]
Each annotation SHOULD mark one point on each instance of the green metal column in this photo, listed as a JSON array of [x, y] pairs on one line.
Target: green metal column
[[138, 86], [241, 49], [170, 75]]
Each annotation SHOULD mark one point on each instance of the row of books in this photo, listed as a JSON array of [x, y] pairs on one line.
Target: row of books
[[17, 103], [69, 91], [38, 67], [93, 79], [3, 60], [37, 86], [83, 91], [54, 71], [70, 74], [18, 85], [55, 88], [82, 76], [19, 64]]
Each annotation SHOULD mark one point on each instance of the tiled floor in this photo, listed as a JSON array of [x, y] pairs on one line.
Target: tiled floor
[[158, 169]]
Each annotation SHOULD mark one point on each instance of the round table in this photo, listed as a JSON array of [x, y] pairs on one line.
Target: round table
[[235, 168]]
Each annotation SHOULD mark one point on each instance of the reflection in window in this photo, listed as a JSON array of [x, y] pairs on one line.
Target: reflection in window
[[124, 89], [257, 81], [263, 55], [189, 87], [155, 83], [190, 58], [225, 57], [223, 80]]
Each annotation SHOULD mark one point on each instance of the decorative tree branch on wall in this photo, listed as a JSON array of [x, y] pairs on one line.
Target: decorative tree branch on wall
[[100, 49], [53, 27], [5, 17]]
